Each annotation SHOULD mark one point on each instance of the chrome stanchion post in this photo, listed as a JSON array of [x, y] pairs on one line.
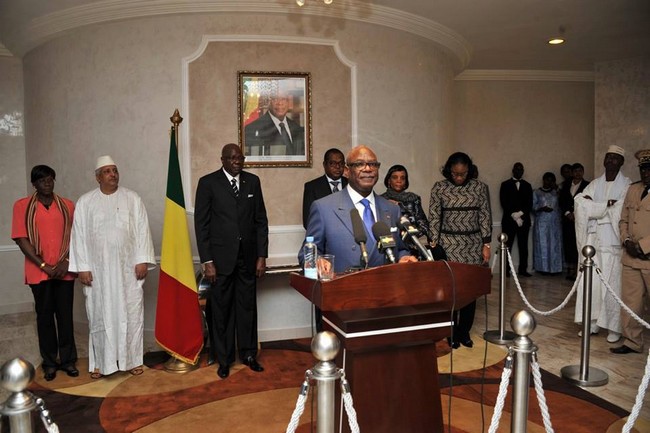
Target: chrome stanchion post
[[325, 346], [16, 375], [523, 323], [583, 374], [501, 336]]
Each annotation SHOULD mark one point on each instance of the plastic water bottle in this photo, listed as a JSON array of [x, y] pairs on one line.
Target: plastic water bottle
[[310, 254]]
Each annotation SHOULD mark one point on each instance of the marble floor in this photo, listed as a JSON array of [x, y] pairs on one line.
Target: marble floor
[[555, 336]]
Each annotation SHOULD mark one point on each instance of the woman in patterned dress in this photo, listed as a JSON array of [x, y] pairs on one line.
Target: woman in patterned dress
[[460, 221]]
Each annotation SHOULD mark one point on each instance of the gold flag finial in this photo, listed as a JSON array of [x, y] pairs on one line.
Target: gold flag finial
[[176, 118]]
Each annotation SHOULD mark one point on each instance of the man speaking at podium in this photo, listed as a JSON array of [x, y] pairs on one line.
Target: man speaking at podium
[[369, 241]]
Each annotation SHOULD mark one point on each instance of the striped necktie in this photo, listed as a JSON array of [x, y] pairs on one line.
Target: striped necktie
[[335, 185], [233, 182]]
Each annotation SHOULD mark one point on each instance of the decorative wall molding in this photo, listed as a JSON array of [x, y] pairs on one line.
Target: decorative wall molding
[[46, 27], [4, 52], [524, 75], [9, 248], [184, 154]]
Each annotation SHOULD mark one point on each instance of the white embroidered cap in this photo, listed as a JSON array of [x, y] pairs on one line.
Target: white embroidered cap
[[103, 161], [616, 149]]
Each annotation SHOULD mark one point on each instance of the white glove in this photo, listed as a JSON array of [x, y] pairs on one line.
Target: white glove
[[517, 217]]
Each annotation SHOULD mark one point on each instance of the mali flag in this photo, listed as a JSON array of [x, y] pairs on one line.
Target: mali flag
[[179, 328]]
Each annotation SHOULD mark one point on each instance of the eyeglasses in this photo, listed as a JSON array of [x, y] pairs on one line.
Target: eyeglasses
[[462, 175], [360, 165], [336, 163]]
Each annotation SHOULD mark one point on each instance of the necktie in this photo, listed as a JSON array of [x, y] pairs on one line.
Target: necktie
[[368, 218], [233, 182], [285, 136], [645, 192], [335, 186]]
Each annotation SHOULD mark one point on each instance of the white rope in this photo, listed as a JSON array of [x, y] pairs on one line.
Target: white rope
[[643, 386], [541, 398], [50, 425], [300, 408], [347, 402], [638, 403], [529, 305], [352, 414], [619, 301], [501, 398]]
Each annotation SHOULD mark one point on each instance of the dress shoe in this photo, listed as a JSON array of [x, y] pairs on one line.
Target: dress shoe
[[524, 274], [467, 343], [252, 363], [50, 374], [223, 371], [623, 350], [453, 344], [211, 359], [70, 370]]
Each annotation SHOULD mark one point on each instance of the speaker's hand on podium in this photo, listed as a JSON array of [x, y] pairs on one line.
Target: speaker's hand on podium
[[407, 259]]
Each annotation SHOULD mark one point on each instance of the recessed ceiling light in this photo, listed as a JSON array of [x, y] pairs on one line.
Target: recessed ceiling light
[[556, 41]]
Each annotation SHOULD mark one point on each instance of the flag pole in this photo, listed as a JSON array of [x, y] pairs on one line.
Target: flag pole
[[173, 364]]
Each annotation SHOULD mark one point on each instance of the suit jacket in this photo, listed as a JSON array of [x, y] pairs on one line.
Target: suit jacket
[[263, 132], [225, 223], [315, 189], [566, 198], [331, 226], [515, 200]]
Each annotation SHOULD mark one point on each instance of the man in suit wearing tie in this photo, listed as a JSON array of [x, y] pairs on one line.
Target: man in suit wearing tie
[[329, 183], [232, 235], [516, 197], [329, 218], [275, 133], [332, 181]]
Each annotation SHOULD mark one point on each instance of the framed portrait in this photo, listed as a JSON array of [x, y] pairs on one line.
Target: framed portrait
[[274, 112]]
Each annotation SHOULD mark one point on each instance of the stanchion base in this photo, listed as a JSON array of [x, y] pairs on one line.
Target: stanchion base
[[175, 365], [498, 337], [595, 376]]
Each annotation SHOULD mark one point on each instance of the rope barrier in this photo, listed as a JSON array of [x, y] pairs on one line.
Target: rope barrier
[[643, 386], [529, 305], [501, 397], [300, 404], [541, 398], [347, 402]]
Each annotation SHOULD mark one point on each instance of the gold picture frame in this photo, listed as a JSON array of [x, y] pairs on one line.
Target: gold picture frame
[[274, 114]]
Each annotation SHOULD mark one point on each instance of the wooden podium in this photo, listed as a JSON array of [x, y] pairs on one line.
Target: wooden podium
[[388, 320]]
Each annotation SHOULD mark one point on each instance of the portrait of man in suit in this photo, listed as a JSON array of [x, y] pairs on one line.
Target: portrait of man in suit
[[274, 130]]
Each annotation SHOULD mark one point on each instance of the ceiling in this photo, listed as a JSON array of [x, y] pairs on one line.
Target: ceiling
[[493, 34]]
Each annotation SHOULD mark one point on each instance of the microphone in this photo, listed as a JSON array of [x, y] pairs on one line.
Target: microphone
[[360, 237], [405, 225], [385, 240]]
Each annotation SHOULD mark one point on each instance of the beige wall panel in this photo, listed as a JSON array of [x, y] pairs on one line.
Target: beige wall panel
[[623, 110], [541, 124]]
